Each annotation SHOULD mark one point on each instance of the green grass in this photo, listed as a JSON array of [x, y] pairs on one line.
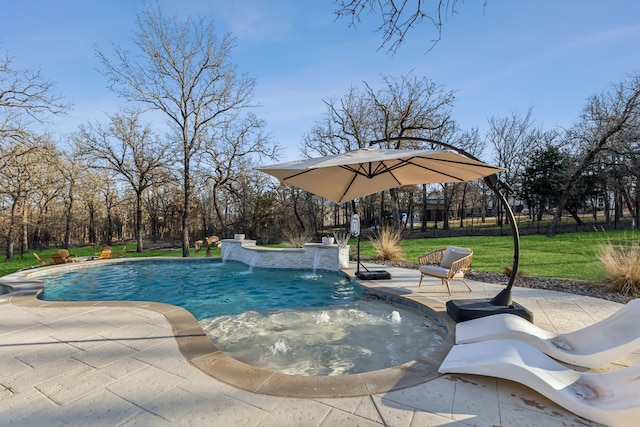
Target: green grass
[[570, 255], [28, 260]]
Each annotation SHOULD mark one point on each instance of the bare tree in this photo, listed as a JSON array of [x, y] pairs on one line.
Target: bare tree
[[512, 138], [25, 93], [404, 107], [128, 148], [183, 71], [605, 116], [397, 18], [23, 173], [229, 152]]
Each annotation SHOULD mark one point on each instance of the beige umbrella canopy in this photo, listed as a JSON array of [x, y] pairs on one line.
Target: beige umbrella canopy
[[359, 173]]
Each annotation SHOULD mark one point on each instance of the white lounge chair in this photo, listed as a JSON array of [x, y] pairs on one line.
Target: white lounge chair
[[610, 398], [591, 347]]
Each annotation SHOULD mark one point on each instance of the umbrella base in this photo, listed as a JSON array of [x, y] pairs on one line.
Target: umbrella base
[[373, 275], [463, 310]]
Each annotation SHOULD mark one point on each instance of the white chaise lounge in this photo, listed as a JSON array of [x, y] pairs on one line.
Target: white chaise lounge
[[611, 398], [593, 346]]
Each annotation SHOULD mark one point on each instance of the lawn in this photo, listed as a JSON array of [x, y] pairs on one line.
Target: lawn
[[570, 255]]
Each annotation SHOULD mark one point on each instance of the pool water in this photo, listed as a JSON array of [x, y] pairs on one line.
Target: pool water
[[287, 321], [203, 288]]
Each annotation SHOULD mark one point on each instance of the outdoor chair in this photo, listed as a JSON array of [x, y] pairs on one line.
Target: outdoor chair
[[104, 254], [66, 256], [43, 261], [58, 259], [610, 398], [446, 264], [119, 254], [591, 347]]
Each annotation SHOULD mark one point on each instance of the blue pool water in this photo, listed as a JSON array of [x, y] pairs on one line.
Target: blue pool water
[[287, 321], [204, 288]]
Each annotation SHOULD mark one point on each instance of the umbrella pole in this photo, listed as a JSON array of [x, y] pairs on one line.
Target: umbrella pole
[[501, 303], [358, 257]]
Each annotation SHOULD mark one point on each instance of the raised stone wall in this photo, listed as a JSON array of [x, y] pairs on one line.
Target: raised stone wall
[[313, 256]]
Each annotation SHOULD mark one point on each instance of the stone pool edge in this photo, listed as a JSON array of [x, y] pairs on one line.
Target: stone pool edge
[[202, 353]]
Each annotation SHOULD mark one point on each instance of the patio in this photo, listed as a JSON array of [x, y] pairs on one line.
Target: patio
[[105, 364]]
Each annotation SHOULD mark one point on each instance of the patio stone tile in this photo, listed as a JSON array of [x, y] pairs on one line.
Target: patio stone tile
[[30, 408], [124, 367], [478, 396], [435, 396], [518, 416], [349, 404], [74, 385], [393, 413], [422, 419], [105, 354], [47, 352], [223, 411], [297, 412], [27, 379], [337, 418], [146, 419], [148, 383], [166, 355], [175, 403], [98, 409], [10, 365], [209, 389], [516, 395]]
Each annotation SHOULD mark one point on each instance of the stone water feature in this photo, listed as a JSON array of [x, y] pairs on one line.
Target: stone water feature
[[313, 256]]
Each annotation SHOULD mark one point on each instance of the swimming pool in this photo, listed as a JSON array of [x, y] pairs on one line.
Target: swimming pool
[[293, 322]]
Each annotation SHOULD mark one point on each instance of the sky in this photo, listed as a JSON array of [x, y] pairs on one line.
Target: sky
[[506, 57]]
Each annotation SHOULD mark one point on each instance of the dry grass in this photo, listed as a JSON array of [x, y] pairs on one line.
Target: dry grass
[[387, 243], [622, 264], [296, 238], [506, 270]]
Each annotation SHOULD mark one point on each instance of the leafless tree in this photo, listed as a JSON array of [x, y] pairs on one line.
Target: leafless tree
[[184, 72], [398, 17], [604, 118], [228, 152], [512, 139], [22, 173], [128, 148], [25, 94], [404, 106]]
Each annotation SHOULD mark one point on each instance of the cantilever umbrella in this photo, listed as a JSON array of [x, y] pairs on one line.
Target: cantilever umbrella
[[359, 173]]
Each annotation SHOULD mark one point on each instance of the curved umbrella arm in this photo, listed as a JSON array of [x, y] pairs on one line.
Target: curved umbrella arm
[[504, 297]]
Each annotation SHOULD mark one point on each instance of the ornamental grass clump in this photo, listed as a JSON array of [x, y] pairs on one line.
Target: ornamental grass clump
[[622, 266], [387, 243], [296, 238]]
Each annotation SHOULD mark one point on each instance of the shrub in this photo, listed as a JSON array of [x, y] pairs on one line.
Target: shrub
[[622, 265], [387, 243], [296, 238]]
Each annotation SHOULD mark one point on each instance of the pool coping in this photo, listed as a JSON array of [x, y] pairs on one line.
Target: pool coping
[[201, 352]]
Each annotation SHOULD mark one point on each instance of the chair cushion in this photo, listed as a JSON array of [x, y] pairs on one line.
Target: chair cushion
[[434, 270], [452, 254]]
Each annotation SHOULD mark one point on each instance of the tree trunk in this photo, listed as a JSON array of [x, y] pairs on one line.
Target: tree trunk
[[140, 247], [10, 232], [185, 207]]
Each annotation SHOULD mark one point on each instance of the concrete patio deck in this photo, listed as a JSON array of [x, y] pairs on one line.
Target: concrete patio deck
[[121, 365]]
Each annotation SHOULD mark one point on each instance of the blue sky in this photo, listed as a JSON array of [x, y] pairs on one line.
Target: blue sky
[[547, 54]]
